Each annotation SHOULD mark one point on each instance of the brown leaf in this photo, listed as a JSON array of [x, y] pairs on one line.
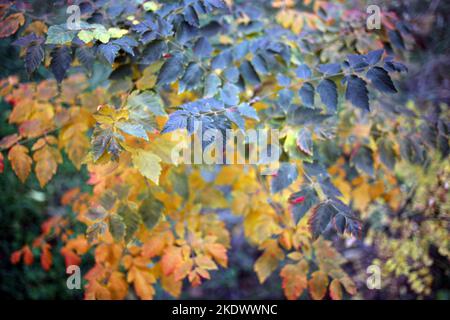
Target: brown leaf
[[318, 285], [8, 141], [11, 24]]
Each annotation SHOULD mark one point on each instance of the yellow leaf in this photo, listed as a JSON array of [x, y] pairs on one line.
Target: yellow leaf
[[361, 197], [205, 263], [75, 142], [20, 161], [172, 286], [148, 164], [269, 260], [142, 280], [218, 252], [117, 286], [117, 32], [344, 187], [297, 26]]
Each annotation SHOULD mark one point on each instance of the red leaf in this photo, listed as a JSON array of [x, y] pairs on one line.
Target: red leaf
[[46, 257], [70, 257], [15, 256], [297, 200], [28, 257]]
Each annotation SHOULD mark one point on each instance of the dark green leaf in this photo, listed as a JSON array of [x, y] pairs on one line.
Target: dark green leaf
[[61, 60], [33, 57], [117, 227], [321, 218], [151, 211], [357, 92], [381, 80], [327, 91], [304, 141], [307, 94], [171, 69], [286, 175]]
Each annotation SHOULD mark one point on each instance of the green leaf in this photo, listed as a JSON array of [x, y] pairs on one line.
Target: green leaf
[[117, 227], [321, 218], [386, 152], [381, 80], [151, 211], [86, 36], [327, 91], [180, 183], [212, 83], [286, 175], [171, 70], [59, 34], [100, 33], [95, 231], [61, 60], [33, 57], [302, 201], [131, 219], [146, 100], [191, 78], [304, 141], [132, 128], [248, 111], [357, 92], [363, 160], [307, 94]]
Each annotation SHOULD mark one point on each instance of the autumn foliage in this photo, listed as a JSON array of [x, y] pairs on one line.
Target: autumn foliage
[[112, 96]]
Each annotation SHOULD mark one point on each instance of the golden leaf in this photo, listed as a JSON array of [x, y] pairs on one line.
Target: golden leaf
[[20, 161], [148, 164], [269, 260], [47, 159]]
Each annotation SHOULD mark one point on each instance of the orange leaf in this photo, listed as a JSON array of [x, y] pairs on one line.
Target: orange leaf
[[15, 256], [47, 159], [218, 252], [153, 247], [46, 257], [20, 161], [142, 286], [294, 279], [70, 257], [171, 259], [27, 255], [335, 290], [318, 285], [183, 270], [117, 286]]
